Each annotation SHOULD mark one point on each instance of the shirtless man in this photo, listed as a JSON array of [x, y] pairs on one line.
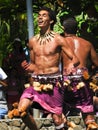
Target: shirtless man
[[82, 97], [45, 51]]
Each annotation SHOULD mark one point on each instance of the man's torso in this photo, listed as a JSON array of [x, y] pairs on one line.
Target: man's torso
[[46, 53], [81, 48]]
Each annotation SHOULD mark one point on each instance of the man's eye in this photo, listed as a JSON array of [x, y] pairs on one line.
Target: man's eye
[[44, 15]]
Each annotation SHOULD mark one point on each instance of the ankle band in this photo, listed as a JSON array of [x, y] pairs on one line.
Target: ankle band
[[90, 121], [60, 126]]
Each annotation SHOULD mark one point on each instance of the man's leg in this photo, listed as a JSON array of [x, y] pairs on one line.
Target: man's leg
[[90, 121], [59, 121], [30, 122], [28, 119], [95, 101]]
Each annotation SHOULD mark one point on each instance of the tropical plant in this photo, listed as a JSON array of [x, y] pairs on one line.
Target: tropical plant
[[13, 18]]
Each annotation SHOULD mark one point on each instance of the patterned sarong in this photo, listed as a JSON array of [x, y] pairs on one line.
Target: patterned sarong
[[50, 101], [78, 93]]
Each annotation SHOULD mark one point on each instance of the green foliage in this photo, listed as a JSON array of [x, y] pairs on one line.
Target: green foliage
[[13, 18], [4, 39], [36, 29], [58, 27]]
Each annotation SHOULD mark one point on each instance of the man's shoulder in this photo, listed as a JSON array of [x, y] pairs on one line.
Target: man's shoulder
[[84, 41], [58, 36], [33, 38]]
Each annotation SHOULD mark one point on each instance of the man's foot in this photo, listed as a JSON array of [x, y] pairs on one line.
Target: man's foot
[[15, 112], [61, 123], [92, 126], [91, 123]]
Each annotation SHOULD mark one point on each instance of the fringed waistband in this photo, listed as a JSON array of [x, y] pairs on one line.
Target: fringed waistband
[[78, 74], [47, 78]]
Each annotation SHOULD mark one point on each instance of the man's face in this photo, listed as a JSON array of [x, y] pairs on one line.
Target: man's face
[[43, 19]]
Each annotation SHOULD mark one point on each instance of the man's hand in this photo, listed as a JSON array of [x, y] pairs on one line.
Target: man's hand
[[70, 69], [29, 67], [24, 64]]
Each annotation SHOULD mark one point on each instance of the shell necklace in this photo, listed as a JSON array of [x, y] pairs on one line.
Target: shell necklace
[[43, 39]]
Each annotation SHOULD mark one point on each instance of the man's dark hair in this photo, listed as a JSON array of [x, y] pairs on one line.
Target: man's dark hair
[[70, 25], [52, 14]]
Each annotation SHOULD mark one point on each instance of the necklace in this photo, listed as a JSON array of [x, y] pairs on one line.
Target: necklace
[[43, 39]]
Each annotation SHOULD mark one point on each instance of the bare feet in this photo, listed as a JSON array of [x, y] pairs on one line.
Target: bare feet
[[92, 126], [15, 112]]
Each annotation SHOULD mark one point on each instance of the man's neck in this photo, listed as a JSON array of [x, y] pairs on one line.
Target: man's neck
[[45, 31]]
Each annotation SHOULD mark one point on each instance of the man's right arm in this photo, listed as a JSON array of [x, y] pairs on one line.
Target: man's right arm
[[30, 66]]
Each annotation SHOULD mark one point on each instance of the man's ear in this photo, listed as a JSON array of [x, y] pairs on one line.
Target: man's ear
[[52, 21]]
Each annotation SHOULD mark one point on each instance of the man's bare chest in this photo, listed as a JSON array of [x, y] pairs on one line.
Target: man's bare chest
[[44, 49]]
